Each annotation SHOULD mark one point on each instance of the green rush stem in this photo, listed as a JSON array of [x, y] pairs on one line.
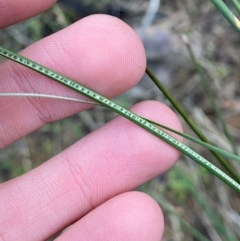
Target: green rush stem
[[121, 111], [197, 131], [236, 4], [226, 12]]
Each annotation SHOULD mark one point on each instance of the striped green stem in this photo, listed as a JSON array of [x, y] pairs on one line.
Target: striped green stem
[[226, 12], [123, 112]]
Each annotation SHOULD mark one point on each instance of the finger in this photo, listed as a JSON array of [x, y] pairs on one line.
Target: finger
[[129, 216], [13, 11], [114, 159], [100, 51]]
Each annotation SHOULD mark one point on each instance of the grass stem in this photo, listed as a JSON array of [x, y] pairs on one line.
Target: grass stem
[[197, 131], [226, 12]]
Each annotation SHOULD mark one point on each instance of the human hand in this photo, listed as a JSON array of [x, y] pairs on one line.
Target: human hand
[[89, 184]]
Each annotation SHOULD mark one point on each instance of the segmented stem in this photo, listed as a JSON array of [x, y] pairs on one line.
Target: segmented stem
[[121, 111]]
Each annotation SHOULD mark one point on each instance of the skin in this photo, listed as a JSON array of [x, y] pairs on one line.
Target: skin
[[88, 185]]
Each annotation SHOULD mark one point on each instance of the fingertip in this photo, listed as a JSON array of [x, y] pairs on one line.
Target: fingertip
[[110, 50], [128, 216], [98, 50]]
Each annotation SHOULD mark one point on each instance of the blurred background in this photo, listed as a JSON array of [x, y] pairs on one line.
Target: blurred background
[[196, 205]]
